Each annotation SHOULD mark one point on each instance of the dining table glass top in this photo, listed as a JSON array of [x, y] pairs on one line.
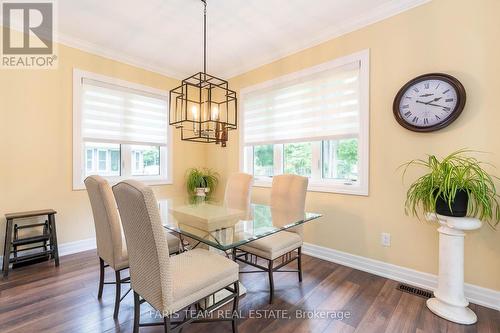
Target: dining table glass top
[[211, 223]]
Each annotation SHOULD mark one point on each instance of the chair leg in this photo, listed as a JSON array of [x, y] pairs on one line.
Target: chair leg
[[101, 278], [166, 323], [271, 281], [299, 262], [137, 312], [234, 322], [118, 293], [182, 249]]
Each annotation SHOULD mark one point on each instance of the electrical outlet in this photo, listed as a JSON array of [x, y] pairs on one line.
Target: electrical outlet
[[385, 239]]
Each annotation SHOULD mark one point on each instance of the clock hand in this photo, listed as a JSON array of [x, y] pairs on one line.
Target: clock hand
[[426, 95], [441, 106], [429, 103], [422, 102], [433, 100]]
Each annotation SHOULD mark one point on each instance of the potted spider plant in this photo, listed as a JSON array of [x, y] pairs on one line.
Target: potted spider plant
[[201, 182], [456, 185]]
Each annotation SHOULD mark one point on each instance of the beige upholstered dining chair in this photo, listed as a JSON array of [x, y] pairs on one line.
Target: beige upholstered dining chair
[[111, 246], [168, 284], [288, 196], [238, 191]]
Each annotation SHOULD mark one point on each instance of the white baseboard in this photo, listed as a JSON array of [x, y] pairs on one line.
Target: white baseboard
[[77, 246], [71, 247], [475, 294]]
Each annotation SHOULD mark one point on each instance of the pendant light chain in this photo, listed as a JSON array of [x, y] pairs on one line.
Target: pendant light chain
[[204, 37], [203, 107]]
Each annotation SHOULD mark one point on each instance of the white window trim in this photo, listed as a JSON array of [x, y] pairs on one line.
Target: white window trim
[[166, 154], [332, 186]]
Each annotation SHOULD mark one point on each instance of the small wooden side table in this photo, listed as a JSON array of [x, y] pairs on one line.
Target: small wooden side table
[[48, 235]]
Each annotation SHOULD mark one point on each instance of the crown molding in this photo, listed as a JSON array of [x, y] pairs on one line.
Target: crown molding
[[116, 56], [94, 49], [373, 16], [380, 13]]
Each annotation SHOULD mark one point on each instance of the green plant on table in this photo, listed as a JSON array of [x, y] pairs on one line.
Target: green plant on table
[[201, 178], [445, 178]]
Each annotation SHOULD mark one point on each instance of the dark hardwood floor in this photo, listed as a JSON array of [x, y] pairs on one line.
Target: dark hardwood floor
[[42, 298]]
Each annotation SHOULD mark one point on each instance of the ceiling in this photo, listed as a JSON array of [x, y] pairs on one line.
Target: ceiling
[[166, 35]]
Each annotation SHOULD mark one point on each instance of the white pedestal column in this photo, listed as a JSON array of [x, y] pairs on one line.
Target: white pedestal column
[[449, 301]]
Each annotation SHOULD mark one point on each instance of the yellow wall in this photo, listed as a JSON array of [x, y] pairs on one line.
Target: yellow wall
[[459, 37], [36, 141], [452, 36]]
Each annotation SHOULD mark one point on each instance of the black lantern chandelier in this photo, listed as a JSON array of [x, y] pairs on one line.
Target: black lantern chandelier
[[203, 106]]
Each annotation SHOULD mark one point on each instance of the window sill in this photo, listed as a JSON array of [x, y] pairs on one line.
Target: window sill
[[338, 188], [150, 182]]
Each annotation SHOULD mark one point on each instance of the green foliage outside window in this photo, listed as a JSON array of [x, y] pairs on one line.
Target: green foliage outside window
[[339, 159], [298, 158], [263, 155], [151, 157], [347, 153], [263, 160]]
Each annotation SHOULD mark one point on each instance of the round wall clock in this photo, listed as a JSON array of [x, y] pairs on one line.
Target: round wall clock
[[429, 102]]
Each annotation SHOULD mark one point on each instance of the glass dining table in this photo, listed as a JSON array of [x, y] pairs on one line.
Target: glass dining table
[[208, 223]]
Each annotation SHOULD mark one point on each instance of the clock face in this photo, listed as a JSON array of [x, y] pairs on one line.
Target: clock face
[[429, 102]]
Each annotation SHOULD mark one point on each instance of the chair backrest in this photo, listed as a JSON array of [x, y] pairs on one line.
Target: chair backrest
[[106, 219], [288, 194], [238, 191], [147, 245]]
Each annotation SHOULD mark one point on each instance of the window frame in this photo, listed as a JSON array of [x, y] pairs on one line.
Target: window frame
[[361, 186], [99, 160], [79, 150], [87, 159]]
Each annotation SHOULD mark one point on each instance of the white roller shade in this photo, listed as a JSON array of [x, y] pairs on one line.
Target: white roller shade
[[316, 106], [117, 114]]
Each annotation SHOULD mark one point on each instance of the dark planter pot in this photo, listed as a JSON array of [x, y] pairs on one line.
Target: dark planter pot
[[458, 206]]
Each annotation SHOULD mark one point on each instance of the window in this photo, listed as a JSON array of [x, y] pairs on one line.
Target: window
[[312, 123], [115, 160], [146, 160], [103, 159], [298, 158], [340, 159], [263, 160], [120, 131], [90, 159], [137, 161]]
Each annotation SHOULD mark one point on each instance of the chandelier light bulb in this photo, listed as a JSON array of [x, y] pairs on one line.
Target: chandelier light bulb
[[215, 113]]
